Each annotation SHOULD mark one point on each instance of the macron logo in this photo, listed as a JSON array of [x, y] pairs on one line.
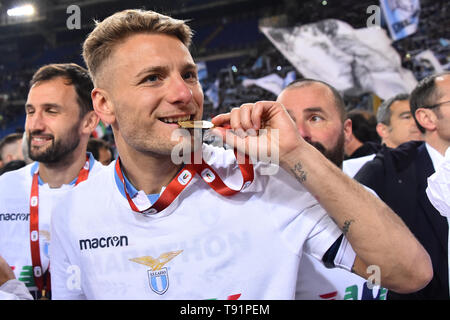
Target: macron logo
[[94, 243]]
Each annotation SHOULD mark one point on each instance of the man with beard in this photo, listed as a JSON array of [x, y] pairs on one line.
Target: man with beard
[[59, 121], [319, 114]]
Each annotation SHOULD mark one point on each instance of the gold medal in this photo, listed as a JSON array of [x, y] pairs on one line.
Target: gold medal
[[43, 297], [199, 124]]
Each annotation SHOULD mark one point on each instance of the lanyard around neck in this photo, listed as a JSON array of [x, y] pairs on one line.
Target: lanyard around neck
[[34, 228], [182, 179]]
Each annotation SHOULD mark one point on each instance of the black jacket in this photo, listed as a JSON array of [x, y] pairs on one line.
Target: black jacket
[[367, 148], [399, 177]]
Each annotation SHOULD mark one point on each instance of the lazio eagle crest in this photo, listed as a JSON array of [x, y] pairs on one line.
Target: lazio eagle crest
[[158, 275]]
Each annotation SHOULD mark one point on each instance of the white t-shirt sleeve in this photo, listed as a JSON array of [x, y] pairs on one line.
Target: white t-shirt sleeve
[[14, 290], [302, 222]]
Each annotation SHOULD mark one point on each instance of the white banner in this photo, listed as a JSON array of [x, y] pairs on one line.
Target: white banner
[[402, 17], [354, 61], [429, 61], [213, 93], [273, 82]]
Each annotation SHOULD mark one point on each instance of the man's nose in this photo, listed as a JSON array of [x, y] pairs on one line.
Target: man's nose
[[35, 122], [179, 92], [304, 131]]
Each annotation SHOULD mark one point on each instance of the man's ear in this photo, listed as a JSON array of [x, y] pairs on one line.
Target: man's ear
[[90, 122], [103, 106], [426, 118], [348, 130], [382, 130]]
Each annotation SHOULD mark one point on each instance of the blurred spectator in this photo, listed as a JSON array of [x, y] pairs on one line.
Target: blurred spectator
[[396, 124], [101, 150], [12, 165], [11, 148], [399, 177], [364, 139]]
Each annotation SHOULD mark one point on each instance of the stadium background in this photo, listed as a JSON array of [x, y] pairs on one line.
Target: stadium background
[[227, 40]]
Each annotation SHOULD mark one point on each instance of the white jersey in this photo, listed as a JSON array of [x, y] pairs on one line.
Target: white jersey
[[317, 282], [15, 189], [202, 246]]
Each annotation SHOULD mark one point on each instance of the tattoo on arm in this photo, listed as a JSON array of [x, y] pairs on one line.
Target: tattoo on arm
[[299, 173], [346, 226]]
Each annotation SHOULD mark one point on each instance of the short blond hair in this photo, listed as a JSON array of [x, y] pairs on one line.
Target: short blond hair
[[99, 44]]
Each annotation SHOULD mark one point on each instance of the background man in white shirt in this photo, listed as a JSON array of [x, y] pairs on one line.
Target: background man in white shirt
[[59, 121]]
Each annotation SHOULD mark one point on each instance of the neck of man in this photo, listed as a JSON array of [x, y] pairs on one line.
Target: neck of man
[[433, 139], [64, 171], [352, 146], [389, 143], [145, 171]]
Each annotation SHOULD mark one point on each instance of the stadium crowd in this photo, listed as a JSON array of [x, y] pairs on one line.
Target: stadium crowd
[[351, 190]]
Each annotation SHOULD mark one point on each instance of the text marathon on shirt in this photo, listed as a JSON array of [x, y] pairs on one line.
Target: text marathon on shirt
[[94, 243]]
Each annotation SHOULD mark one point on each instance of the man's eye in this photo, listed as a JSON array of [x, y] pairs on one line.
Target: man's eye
[[190, 75], [151, 78], [316, 118]]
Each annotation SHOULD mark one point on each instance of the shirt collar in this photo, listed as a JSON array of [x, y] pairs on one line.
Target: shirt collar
[[436, 158], [35, 166], [132, 191]]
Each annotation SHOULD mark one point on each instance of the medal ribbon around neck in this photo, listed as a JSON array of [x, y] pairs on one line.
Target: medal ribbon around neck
[[182, 179], [43, 280]]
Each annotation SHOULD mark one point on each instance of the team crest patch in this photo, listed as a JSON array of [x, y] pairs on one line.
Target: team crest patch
[[159, 280], [158, 275]]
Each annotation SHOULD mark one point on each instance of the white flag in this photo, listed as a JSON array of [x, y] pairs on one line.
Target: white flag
[[273, 83], [429, 61], [354, 61], [213, 93], [402, 17]]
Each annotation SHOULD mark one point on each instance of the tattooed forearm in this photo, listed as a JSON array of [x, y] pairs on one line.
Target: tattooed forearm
[[299, 173], [346, 226]]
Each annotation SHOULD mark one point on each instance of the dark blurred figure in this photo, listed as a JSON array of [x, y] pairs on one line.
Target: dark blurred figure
[[101, 150], [12, 165], [364, 139]]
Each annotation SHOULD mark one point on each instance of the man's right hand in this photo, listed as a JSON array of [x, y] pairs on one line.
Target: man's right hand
[[6, 272]]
